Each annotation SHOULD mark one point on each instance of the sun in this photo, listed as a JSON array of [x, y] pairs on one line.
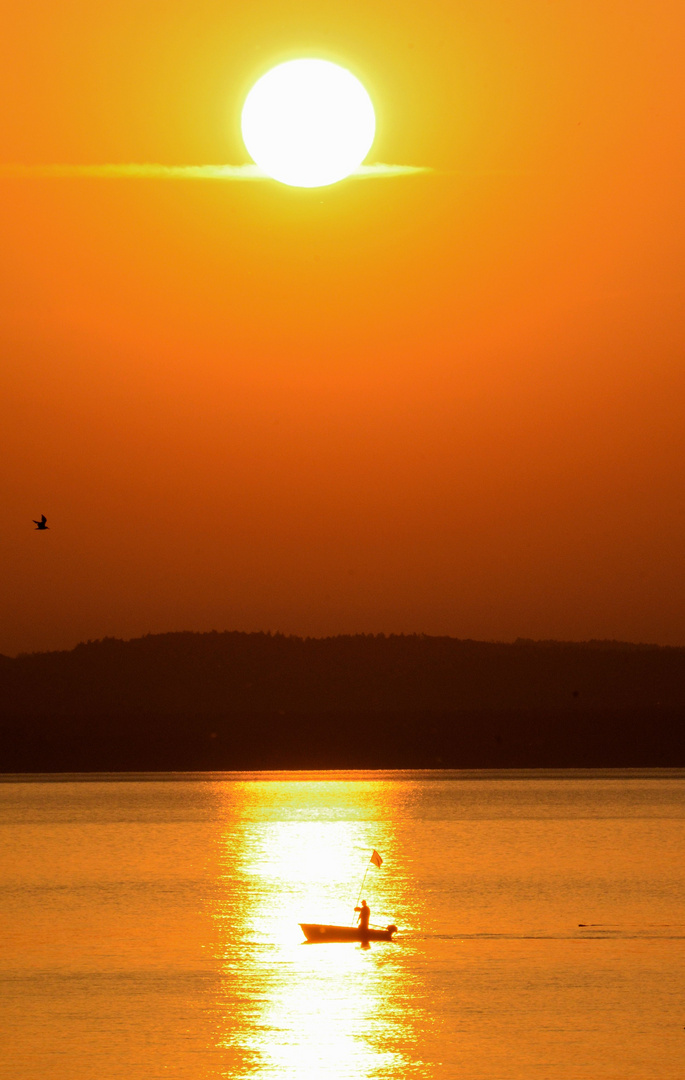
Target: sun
[[308, 123]]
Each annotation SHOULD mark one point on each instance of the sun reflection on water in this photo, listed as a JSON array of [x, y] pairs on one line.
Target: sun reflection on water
[[295, 852]]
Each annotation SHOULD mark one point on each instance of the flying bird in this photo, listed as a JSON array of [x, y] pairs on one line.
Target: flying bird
[[40, 524]]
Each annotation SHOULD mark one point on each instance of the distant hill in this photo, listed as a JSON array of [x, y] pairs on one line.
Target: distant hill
[[251, 701]]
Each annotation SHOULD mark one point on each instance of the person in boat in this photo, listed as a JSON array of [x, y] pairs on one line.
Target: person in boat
[[364, 914]]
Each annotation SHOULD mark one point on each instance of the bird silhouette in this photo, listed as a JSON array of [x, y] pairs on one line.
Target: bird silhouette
[[40, 524]]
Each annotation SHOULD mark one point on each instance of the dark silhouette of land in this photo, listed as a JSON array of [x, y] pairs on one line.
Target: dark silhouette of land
[[260, 701]]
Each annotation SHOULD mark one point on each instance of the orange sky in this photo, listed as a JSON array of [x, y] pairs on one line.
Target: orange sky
[[450, 403]]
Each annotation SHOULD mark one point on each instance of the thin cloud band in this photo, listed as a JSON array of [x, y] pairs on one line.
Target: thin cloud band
[[187, 172]]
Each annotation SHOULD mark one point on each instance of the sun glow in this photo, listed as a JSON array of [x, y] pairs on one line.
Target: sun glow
[[308, 123]]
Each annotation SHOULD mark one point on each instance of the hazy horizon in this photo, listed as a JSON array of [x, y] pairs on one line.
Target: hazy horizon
[[600, 642]]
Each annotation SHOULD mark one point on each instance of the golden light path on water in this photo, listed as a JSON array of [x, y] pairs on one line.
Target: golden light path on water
[[335, 1009]]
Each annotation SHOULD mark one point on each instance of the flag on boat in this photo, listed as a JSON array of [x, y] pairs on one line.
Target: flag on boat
[[376, 859]]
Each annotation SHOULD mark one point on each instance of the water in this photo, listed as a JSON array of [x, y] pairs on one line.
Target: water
[[150, 927]]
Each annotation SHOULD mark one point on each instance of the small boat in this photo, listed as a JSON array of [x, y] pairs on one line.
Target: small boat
[[322, 933]]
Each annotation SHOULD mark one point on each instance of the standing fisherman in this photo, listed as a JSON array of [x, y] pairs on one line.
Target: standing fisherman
[[364, 914]]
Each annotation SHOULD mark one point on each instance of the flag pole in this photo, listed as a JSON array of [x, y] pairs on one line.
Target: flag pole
[[377, 861], [362, 886]]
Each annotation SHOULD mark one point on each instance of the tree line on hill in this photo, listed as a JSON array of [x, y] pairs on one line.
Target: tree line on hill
[[261, 701]]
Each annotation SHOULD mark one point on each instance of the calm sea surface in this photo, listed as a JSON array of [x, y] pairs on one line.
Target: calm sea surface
[[149, 926]]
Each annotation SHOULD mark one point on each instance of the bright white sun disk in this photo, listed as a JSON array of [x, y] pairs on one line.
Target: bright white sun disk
[[308, 123]]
